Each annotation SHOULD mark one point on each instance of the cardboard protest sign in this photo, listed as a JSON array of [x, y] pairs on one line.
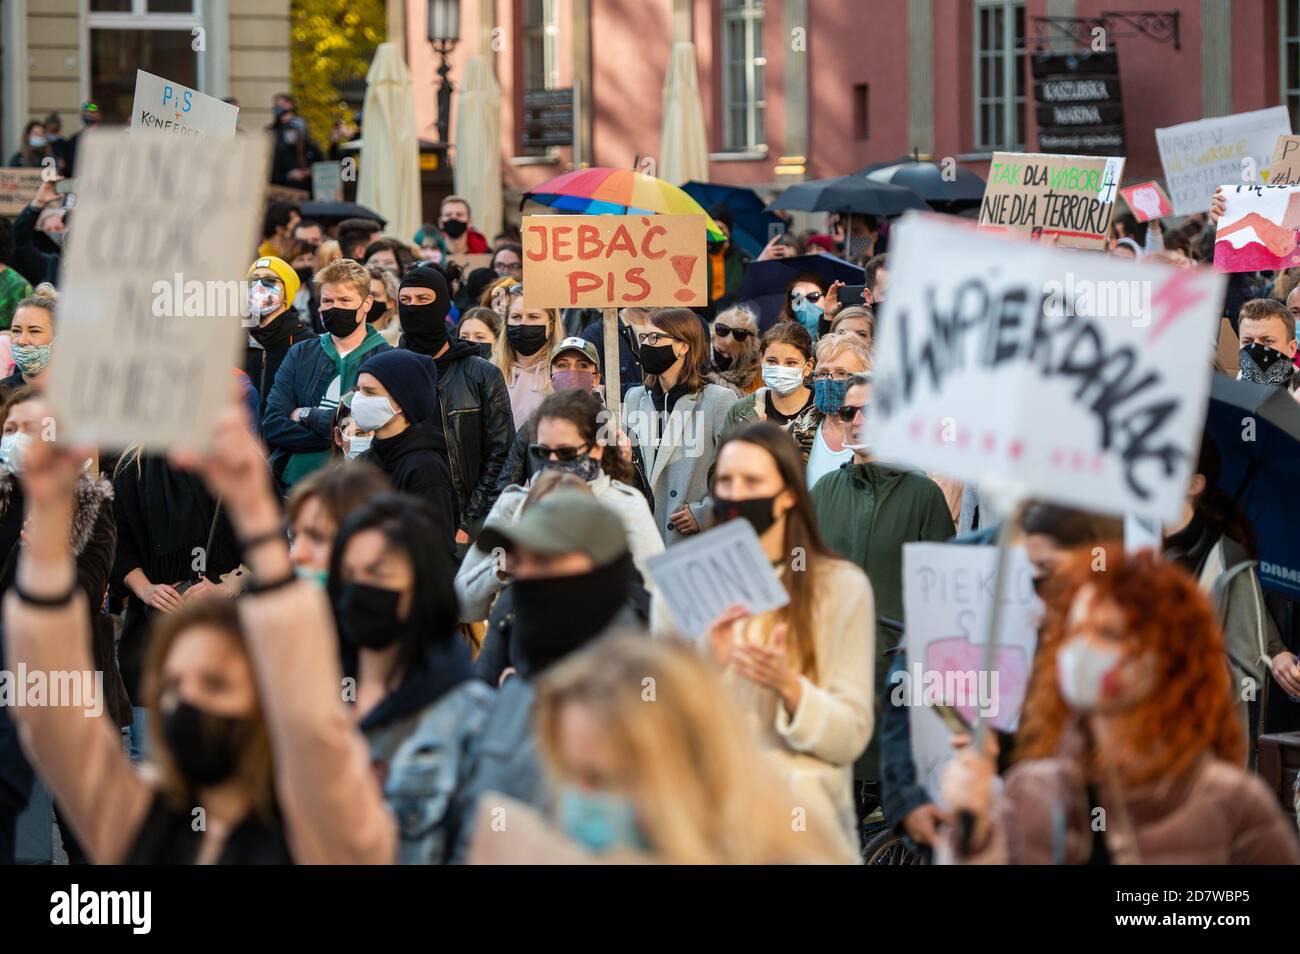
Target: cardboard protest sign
[[1062, 375], [468, 262], [1148, 201], [1199, 155], [172, 108], [1070, 197], [153, 292], [614, 261], [947, 599], [1259, 228], [709, 573], [327, 181], [1284, 167], [17, 188]]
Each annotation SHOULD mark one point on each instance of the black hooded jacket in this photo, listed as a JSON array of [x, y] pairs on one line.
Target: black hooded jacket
[[416, 463]]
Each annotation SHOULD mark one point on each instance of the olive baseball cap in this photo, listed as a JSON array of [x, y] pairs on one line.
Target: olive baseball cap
[[587, 349], [563, 522]]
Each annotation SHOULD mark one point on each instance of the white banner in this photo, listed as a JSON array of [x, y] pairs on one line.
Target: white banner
[[1200, 155], [1067, 375], [178, 110]]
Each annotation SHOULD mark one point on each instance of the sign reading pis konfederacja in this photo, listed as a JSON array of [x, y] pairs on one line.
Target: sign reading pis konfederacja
[[174, 108], [1064, 374], [1078, 104]]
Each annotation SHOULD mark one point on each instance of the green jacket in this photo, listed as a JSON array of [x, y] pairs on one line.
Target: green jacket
[[866, 513]]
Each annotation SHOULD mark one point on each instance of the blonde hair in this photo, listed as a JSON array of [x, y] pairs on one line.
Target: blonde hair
[[856, 311], [829, 347], [503, 354], [702, 790], [345, 271]]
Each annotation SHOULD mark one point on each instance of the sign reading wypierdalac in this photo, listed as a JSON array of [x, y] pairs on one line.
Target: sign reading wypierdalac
[[178, 110], [1205, 153], [151, 305], [1069, 197], [1065, 375]]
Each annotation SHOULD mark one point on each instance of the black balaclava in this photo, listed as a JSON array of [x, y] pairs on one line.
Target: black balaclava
[[425, 326]]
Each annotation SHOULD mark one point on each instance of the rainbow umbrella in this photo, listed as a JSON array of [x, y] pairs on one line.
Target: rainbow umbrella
[[602, 191]]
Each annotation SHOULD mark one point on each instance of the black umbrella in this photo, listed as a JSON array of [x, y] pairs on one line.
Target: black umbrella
[[764, 284], [929, 182], [328, 213], [855, 194]]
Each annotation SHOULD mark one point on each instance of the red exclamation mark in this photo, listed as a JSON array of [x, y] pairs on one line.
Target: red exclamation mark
[[684, 265]]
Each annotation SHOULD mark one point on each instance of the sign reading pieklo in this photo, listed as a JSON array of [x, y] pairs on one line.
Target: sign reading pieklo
[[173, 108], [1284, 167], [1065, 375], [614, 261], [1205, 153], [154, 268], [1069, 197]]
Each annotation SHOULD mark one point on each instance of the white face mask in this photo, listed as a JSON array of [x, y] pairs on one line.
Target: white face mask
[[13, 448], [782, 380], [358, 445], [1081, 671], [371, 412]]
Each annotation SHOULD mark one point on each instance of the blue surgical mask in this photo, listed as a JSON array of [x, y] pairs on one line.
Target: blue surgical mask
[[808, 314], [319, 577], [828, 394], [599, 821]]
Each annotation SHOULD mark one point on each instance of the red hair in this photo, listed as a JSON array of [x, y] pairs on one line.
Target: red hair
[[1192, 707]]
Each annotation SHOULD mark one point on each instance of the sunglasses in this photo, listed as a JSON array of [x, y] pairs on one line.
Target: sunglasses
[[741, 334], [562, 455], [848, 412], [813, 297]]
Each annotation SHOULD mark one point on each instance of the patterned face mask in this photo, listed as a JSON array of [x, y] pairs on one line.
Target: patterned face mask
[[31, 359], [828, 394], [1264, 365]]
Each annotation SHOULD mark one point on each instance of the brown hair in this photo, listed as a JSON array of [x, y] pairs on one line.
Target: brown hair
[[684, 325], [788, 333], [340, 489], [14, 398], [585, 411], [484, 314], [1262, 309], [345, 271], [256, 770]]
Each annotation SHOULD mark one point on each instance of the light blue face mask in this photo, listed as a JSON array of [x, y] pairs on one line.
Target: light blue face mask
[[319, 577], [599, 821], [808, 313]]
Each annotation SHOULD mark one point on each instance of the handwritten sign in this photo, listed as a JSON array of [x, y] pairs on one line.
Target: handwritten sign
[[152, 299], [614, 261], [947, 599], [1259, 228], [1070, 197], [713, 571], [17, 188], [1062, 374], [1148, 201], [1199, 155], [178, 110], [327, 181], [1284, 167]]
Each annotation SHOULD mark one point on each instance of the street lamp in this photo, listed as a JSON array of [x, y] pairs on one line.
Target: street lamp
[[444, 32]]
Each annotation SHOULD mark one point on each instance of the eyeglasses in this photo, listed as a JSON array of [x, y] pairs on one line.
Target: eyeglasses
[[831, 375], [562, 455], [505, 268], [848, 412], [722, 330], [651, 338]]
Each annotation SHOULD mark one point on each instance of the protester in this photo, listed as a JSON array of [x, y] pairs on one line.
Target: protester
[[858, 320], [727, 261], [570, 567], [317, 507], [674, 421], [34, 148], [474, 404], [456, 224], [91, 115], [388, 253], [31, 336], [1131, 711], [298, 421], [804, 302], [508, 261], [522, 353], [355, 236], [479, 326], [309, 231], [278, 226], [733, 357], [57, 142], [787, 363], [272, 289], [293, 149], [384, 285], [1266, 329], [13, 286], [876, 280], [821, 434], [38, 236], [632, 323]]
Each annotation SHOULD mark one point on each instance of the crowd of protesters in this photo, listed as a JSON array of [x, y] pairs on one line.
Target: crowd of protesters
[[423, 598]]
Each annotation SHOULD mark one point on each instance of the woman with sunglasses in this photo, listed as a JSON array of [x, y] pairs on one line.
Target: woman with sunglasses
[[674, 421], [523, 353], [805, 302], [787, 355], [733, 359]]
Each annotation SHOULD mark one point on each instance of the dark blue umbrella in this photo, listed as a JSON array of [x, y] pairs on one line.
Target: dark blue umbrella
[[927, 180], [1256, 430], [848, 194], [749, 216], [764, 284], [331, 212]]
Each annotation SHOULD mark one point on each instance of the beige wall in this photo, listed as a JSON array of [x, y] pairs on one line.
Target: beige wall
[[54, 61], [259, 57]]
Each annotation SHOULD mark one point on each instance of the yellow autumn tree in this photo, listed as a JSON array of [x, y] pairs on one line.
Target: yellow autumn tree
[[332, 40]]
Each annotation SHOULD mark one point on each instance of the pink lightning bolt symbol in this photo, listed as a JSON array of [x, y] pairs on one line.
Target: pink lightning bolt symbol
[[1172, 299]]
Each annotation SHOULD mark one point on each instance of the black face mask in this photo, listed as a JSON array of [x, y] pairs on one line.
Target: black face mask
[[722, 361], [340, 322], [304, 276], [556, 616], [484, 349], [376, 311], [758, 511], [367, 616], [205, 747], [657, 359], [425, 326], [454, 228], [526, 339]]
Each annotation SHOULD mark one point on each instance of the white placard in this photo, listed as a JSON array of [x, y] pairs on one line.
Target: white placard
[[704, 576], [1076, 377], [327, 181], [179, 111], [152, 299], [947, 599], [1202, 154]]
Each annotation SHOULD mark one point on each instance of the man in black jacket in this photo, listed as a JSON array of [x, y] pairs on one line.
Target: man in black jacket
[[473, 400], [273, 323]]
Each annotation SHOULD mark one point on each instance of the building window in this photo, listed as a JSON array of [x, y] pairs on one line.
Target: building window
[[999, 75], [541, 69], [1291, 59], [156, 36], [861, 110], [743, 64]]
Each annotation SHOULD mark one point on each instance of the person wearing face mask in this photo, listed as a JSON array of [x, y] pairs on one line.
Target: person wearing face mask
[[384, 284], [298, 421], [38, 236], [457, 227], [91, 115], [317, 507], [787, 361], [632, 322], [397, 405], [273, 324], [733, 356], [566, 437], [820, 433], [293, 150], [805, 303], [31, 336], [568, 560], [250, 727], [417, 702], [1268, 344], [473, 402], [626, 787], [1122, 651], [34, 149], [479, 325], [674, 421], [523, 352], [802, 673]]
